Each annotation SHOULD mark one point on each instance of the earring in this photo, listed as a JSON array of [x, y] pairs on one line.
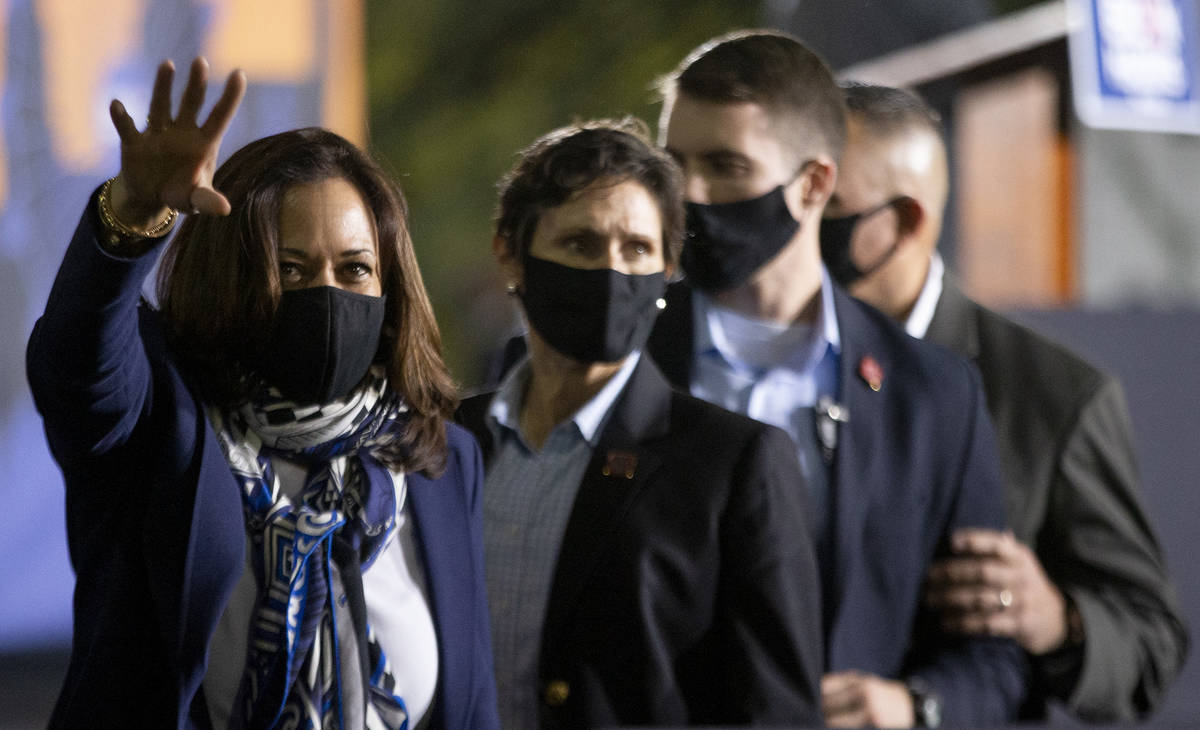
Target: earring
[[511, 288]]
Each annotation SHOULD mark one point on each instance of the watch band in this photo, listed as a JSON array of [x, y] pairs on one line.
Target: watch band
[[926, 702]]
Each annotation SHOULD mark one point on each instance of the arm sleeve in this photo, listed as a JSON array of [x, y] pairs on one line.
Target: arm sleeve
[[86, 362], [1099, 548], [484, 714], [769, 592], [981, 680]]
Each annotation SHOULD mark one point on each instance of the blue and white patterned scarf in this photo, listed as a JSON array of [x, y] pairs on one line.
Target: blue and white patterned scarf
[[294, 677]]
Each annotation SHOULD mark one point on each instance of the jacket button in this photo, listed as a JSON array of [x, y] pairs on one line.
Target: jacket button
[[557, 692]]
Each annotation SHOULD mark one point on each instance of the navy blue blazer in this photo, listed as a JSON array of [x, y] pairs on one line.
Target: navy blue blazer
[[154, 515], [916, 461]]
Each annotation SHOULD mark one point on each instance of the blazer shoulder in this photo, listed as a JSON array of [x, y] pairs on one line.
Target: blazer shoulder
[[709, 427], [687, 408], [459, 440], [1009, 346]]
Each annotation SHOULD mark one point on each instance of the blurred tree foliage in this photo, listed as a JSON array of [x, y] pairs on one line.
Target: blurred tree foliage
[[456, 88]]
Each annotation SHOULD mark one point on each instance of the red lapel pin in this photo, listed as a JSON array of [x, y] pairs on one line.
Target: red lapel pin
[[620, 463], [870, 371]]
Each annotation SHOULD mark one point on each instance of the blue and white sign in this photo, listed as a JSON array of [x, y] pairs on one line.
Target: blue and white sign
[[1135, 64]]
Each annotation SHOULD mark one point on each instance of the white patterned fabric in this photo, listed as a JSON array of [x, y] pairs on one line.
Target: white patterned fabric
[[294, 675]]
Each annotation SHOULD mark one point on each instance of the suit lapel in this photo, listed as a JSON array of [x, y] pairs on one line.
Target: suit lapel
[[640, 414], [440, 517], [954, 325], [191, 581], [856, 468]]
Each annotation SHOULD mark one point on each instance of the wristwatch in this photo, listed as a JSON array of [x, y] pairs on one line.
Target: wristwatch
[[926, 702]]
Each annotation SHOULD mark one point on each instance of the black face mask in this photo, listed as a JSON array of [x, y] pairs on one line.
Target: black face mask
[[323, 342], [590, 315], [837, 235], [727, 242]]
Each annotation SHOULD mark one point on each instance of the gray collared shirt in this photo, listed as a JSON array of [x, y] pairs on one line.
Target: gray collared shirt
[[527, 500]]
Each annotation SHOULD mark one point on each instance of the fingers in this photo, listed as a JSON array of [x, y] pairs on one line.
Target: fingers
[[835, 682], [858, 699], [970, 572], [985, 623], [159, 115], [983, 542], [222, 112], [126, 128], [970, 598], [971, 584], [843, 702], [193, 93], [857, 717]]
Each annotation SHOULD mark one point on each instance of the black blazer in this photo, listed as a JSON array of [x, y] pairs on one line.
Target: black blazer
[[686, 593], [1066, 444], [916, 460]]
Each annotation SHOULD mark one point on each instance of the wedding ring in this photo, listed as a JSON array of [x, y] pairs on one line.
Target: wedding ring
[[1006, 598]]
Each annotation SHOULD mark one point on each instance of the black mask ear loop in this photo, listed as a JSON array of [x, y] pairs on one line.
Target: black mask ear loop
[[891, 251], [837, 234]]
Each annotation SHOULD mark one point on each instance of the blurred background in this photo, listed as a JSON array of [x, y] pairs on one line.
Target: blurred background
[[1076, 203]]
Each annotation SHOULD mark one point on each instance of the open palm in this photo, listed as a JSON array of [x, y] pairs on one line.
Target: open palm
[[171, 163]]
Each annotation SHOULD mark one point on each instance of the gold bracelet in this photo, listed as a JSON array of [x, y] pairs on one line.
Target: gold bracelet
[[158, 230]]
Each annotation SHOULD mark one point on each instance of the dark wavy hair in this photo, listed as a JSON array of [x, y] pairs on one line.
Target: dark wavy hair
[[775, 70], [563, 162], [219, 287]]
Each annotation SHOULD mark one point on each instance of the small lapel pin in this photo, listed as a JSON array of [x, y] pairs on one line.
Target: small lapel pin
[[871, 372], [620, 463], [829, 414]]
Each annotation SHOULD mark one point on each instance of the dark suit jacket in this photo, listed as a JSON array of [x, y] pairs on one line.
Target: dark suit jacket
[[154, 515], [916, 461], [1066, 444], [688, 593]]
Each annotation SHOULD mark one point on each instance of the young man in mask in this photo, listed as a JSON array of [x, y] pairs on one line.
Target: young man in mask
[[647, 553], [893, 435], [1087, 592]]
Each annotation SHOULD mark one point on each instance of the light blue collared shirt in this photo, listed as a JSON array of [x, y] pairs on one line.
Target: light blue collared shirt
[[527, 500], [775, 373], [772, 372]]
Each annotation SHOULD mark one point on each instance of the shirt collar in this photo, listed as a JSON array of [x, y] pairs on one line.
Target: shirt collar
[[710, 338], [505, 408], [828, 315], [921, 316]]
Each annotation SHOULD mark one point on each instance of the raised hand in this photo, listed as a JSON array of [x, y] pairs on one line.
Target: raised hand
[[171, 163]]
